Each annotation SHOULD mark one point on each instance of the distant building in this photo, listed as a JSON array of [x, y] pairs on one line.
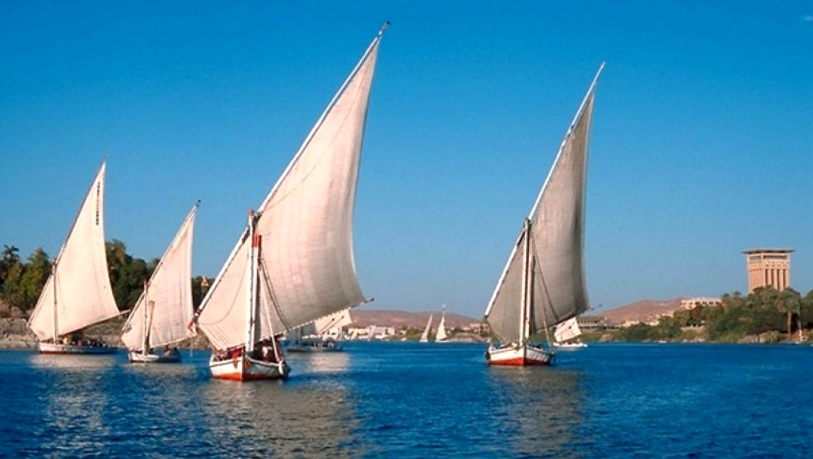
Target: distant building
[[768, 267], [691, 303]]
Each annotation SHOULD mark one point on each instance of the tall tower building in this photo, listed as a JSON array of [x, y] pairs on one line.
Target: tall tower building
[[768, 267]]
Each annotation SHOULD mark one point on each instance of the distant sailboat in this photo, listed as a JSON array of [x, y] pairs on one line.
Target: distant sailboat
[[77, 294], [426, 331], [318, 336], [565, 333], [441, 336], [543, 282], [161, 315], [294, 262]]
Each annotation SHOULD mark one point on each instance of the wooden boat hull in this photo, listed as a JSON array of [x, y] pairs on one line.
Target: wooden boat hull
[[138, 357], [244, 368], [74, 349], [519, 356]]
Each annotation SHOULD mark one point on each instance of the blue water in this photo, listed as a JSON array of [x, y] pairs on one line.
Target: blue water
[[409, 400]]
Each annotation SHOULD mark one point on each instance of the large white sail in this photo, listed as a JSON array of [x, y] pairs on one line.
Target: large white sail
[[77, 293], [306, 267], [556, 284], [164, 309]]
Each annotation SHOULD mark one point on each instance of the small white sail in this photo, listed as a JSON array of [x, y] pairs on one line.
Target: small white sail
[[325, 324], [77, 293], [441, 334], [426, 331], [304, 231], [567, 330], [545, 270], [168, 292]]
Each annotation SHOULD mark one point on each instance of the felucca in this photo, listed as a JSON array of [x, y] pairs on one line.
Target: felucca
[[294, 262], [161, 315], [543, 283], [77, 294], [321, 335], [426, 331]]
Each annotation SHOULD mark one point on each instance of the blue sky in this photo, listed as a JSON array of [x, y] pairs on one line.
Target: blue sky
[[701, 147]]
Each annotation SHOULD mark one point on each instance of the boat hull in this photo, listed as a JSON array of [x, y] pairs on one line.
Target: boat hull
[[138, 357], [314, 346], [244, 368], [569, 346], [75, 349], [519, 356]]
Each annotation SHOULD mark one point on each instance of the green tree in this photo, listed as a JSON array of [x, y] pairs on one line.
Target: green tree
[[789, 302], [36, 273], [10, 258]]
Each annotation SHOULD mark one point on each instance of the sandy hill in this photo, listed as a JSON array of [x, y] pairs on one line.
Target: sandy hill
[[642, 311], [399, 319]]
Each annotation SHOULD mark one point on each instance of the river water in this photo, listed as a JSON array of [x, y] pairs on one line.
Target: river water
[[410, 400]]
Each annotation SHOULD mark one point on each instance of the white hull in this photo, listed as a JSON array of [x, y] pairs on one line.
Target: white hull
[[313, 346], [569, 346], [243, 368], [519, 356], [50, 348], [138, 357]]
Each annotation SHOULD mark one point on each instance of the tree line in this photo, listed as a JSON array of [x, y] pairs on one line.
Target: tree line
[[22, 281], [772, 314]]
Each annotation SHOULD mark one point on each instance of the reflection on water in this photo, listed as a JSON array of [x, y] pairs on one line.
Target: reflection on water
[[282, 419], [74, 399], [537, 409]]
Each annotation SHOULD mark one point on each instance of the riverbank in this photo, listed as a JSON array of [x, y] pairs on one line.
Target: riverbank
[[15, 334]]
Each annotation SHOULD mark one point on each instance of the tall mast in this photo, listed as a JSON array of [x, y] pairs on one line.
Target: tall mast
[[251, 303], [526, 278], [56, 316]]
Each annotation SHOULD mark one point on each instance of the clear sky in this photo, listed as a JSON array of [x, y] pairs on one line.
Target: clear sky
[[701, 147]]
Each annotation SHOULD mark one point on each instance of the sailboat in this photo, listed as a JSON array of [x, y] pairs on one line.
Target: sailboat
[[77, 294], [441, 336], [164, 309], [565, 333], [294, 262], [320, 335], [426, 331], [543, 282]]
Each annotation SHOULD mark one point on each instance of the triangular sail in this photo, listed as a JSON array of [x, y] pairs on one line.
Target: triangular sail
[[427, 330], [567, 330], [556, 237], [337, 320], [169, 291], [77, 293], [441, 334], [305, 227]]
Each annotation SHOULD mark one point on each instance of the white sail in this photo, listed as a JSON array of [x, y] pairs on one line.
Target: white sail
[[340, 319], [441, 334], [426, 331], [306, 267], [567, 330], [77, 293], [161, 315], [555, 288]]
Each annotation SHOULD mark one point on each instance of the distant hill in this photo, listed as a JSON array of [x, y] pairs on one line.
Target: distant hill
[[642, 311], [399, 319]]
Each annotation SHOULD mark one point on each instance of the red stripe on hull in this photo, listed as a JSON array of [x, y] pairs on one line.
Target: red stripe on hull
[[517, 362]]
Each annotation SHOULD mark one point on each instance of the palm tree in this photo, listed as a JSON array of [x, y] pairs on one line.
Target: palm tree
[[790, 303]]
